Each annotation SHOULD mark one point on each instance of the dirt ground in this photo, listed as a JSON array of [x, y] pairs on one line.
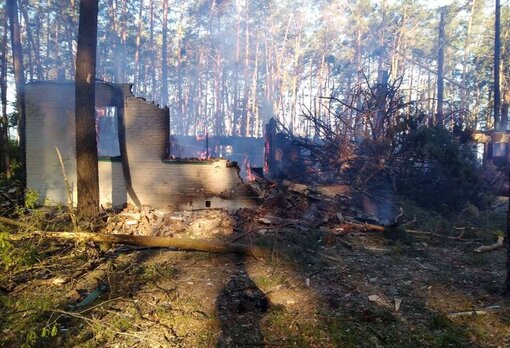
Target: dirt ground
[[318, 289]]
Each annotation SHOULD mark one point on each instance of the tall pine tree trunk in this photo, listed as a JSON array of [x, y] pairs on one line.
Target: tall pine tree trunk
[[440, 68], [235, 111], [69, 36], [86, 146], [114, 36], [152, 52], [19, 77], [38, 33], [179, 72], [137, 46], [497, 53], [245, 121], [29, 38], [464, 92], [164, 58], [4, 140]]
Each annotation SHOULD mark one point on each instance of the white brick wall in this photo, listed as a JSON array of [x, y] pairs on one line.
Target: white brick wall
[[50, 123]]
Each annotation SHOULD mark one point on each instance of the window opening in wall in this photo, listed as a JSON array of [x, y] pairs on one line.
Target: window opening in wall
[[107, 132]]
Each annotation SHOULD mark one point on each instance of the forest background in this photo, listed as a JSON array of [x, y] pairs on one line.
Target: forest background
[[226, 67]]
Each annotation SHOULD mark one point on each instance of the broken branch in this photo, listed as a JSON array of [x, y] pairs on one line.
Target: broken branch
[[488, 248], [12, 222], [486, 310]]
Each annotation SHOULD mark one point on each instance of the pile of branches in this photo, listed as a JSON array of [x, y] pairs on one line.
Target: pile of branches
[[379, 138], [363, 129]]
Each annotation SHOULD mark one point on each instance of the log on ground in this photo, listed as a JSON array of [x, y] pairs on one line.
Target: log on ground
[[161, 242]]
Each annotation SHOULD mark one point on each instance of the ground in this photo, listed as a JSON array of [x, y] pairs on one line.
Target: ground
[[316, 289]]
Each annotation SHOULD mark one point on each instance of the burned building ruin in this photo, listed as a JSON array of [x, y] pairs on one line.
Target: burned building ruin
[[152, 178]]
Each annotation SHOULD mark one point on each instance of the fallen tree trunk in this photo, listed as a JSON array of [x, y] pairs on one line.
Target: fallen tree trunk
[[151, 241], [161, 242]]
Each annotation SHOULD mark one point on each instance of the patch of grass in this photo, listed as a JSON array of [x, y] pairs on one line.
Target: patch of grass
[[485, 223], [15, 255], [151, 272], [209, 335], [23, 319], [283, 326], [269, 281]]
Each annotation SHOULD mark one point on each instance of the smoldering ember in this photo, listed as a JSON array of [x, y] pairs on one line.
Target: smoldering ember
[[254, 173]]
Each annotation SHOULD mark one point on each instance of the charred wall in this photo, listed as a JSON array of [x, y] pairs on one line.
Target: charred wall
[[157, 182]]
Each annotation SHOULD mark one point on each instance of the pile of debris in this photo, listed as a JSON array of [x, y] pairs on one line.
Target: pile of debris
[[331, 209], [11, 196], [155, 222]]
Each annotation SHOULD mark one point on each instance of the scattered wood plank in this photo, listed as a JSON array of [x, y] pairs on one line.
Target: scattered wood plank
[[161, 242]]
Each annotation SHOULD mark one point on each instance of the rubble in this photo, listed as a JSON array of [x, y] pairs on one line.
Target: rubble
[[156, 222], [11, 195]]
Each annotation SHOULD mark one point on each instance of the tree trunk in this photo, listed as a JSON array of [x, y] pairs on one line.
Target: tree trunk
[[507, 281], [164, 58], [180, 104], [29, 38], [123, 44], [294, 106], [254, 101], [218, 100], [504, 108], [38, 66], [19, 77], [245, 121], [46, 75], [235, 113], [4, 140], [137, 47], [86, 146], [497, 52], [114, 36], [69, 32], [464, 93], [440, 68], [152, 52]]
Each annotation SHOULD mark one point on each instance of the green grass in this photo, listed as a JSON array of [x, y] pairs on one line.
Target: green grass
[[269, 281], [152, 272]]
